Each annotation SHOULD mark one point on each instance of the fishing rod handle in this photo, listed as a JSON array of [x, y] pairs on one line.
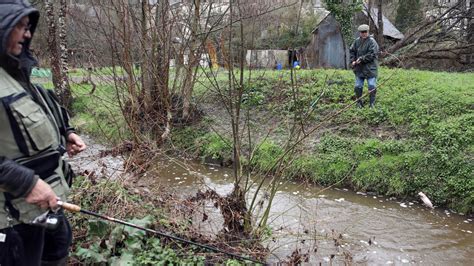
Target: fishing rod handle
[[69, 206]]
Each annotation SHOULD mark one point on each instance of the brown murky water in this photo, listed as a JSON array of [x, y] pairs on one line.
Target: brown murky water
[[375, 230]]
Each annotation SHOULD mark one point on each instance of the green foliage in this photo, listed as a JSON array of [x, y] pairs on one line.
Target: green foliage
[[186, 138], [254, 93], [324, 169], [409, 14], [290, 34], [331, 163], [388, 174], [451, 136], [98, 114], [214, 146], [289, 38], [234, 263], [332, 143], [266, 156], [343, 12], [128, 246]]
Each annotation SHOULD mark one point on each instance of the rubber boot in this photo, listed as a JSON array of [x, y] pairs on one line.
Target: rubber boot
[[358, 94], [372, 92]]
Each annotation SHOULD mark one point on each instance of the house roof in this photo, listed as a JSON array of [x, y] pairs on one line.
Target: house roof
[[388, 28], [321, 14]]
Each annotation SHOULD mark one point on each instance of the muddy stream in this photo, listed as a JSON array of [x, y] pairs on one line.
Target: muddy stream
[[375, 230]]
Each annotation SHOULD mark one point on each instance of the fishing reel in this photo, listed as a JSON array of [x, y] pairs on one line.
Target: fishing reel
[[49, 220]]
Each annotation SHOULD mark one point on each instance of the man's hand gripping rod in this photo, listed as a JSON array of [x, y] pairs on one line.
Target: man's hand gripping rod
[[75, 208]]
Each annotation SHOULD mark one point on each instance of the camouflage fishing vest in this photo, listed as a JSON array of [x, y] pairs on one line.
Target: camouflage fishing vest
[[29, 135]]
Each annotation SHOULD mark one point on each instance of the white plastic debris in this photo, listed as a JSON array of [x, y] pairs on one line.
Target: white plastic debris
[[425, 200]]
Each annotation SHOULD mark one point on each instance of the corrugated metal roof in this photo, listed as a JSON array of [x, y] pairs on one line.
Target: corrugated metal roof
[[321, 14]]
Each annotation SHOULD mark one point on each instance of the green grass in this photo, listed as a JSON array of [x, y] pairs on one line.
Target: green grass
[[98, 114]]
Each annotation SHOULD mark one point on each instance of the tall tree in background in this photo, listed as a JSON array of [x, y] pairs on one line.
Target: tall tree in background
[[58, 50], [408, 14], [370, 5], [470, 27], [380, 24]]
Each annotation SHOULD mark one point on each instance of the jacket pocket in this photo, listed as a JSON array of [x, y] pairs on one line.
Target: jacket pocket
[[36, 124]]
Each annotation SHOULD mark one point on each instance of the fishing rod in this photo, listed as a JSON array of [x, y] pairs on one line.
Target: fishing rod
[[76, 208]]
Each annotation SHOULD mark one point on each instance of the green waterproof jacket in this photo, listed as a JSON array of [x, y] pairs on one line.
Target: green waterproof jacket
[[367, 51]]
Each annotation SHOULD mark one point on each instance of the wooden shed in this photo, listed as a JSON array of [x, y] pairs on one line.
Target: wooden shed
[[327, 48]]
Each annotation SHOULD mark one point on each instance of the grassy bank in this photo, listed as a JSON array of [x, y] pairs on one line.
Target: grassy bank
[[419, 138]]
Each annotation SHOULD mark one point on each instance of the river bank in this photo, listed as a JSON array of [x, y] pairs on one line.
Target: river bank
[[367, 228], [420, 136]]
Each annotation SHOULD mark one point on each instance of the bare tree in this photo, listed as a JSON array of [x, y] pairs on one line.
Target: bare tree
[[369, 11], [437, 38]]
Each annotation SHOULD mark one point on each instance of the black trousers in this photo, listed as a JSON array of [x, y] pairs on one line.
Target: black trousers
[[27, 245]]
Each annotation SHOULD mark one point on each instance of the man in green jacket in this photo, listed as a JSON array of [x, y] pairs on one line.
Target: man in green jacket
[[363, 55], [34, 135]]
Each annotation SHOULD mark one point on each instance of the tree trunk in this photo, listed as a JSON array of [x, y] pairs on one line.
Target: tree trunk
[[470, 23], [194, 58], [58, 53], [145, 64], [160, 98], [64, 91], [52, 46], [369, 13], [380, 24]]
